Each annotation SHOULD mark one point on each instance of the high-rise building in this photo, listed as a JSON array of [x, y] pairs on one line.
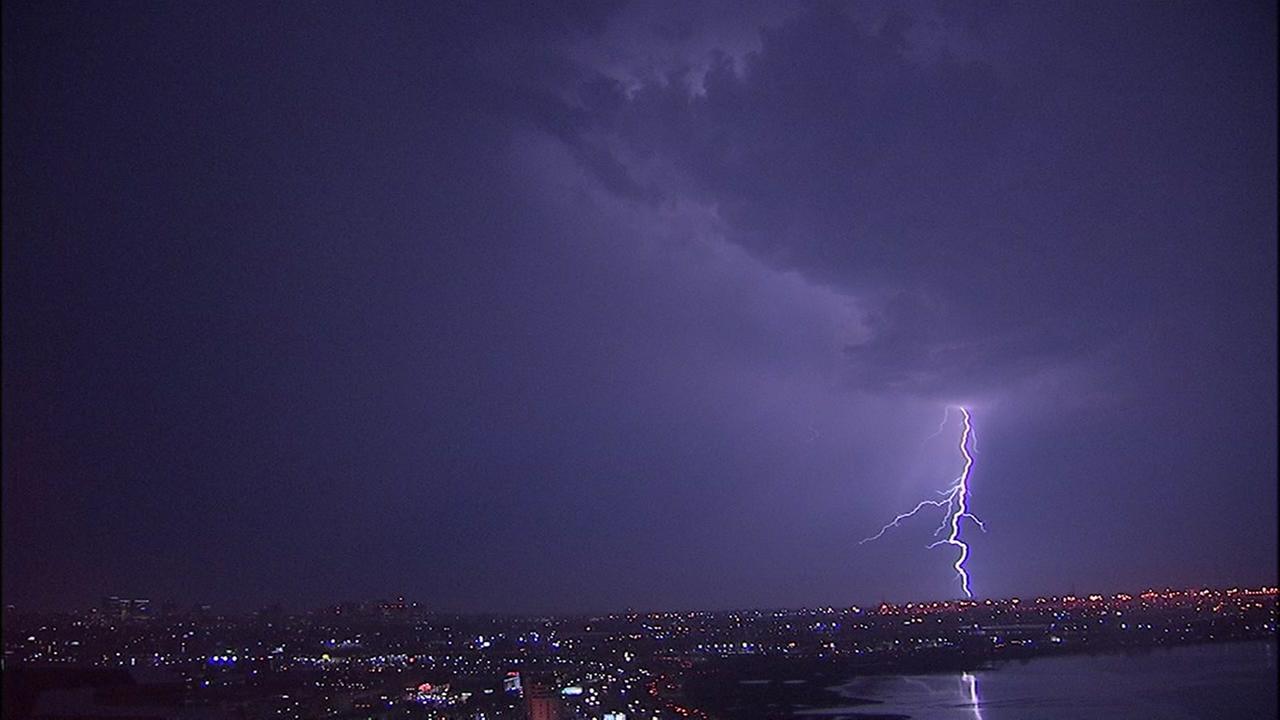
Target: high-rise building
[[118, 608], [541, 700]]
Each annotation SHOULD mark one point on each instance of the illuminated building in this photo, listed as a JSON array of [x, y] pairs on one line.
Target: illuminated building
[[118, 608], [541, 699]]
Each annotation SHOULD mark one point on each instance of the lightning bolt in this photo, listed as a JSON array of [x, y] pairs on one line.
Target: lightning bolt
[[954, 501], [946, 416]]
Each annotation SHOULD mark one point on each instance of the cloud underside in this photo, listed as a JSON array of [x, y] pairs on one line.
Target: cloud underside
[[993, 223]]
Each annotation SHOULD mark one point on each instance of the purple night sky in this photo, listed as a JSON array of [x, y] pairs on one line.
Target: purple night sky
[[647, 305]]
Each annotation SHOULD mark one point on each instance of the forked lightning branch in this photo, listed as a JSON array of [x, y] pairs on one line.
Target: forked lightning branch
[[955, 505]]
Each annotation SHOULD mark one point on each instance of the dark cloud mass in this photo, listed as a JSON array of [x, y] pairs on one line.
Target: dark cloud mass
[[1002, 218], [640, 304]]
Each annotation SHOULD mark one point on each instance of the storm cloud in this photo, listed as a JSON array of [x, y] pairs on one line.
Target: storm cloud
[[633, 305]]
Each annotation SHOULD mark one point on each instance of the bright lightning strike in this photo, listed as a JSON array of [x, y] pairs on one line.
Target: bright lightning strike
[[955, 502]]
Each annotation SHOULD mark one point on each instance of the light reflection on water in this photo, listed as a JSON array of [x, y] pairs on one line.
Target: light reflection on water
[[970, 682], [1188, 683]]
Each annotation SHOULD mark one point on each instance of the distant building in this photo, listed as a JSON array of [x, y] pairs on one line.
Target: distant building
[[398, 609], [541, 699], [511, 684], [118, 608]]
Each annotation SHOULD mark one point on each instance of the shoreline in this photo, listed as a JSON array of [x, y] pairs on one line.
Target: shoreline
[[772, 689], [853, 709]]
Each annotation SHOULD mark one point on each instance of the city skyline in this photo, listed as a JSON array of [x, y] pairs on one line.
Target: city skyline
[[154, 607], [398, 660]]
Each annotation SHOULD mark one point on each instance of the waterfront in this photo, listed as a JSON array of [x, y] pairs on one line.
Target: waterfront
[[1199, 682], [1029, 658]]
